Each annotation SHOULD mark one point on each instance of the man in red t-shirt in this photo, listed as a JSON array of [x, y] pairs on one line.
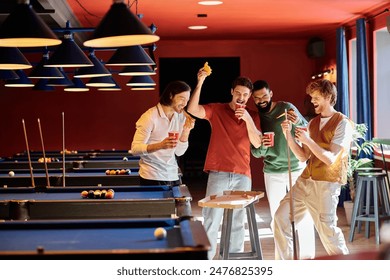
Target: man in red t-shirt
[[233, 129]]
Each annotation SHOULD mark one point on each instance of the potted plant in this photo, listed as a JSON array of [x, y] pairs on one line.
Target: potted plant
[[360, 148]]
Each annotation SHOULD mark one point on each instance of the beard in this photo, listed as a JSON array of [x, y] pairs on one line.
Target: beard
[[266, 108]]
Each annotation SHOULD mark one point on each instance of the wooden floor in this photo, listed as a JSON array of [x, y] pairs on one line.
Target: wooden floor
[[360, 243]]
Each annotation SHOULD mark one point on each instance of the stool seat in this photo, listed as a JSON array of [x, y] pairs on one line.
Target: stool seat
[[370, 184], [229, 201], [368, 169]]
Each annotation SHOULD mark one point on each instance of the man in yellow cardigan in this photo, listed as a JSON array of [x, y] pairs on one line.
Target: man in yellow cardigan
[[325, 146]]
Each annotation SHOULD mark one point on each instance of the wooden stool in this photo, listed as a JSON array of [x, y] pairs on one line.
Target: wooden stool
[[231, 200], [364, 170], [366, 182]]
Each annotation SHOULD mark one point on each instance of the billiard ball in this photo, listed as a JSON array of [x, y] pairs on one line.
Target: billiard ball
[[109, 195], [112, 172], [128, 171], [97, 193], [91, 194], [11, 173], [84, 194], [108, 172], [125, 159], [103, 194], [160, 233]]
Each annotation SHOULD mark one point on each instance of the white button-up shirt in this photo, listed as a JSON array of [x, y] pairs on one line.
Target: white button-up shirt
[[153, 127]]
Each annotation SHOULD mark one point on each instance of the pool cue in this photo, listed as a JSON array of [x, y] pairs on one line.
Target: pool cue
[[295, 251], [28, 155], [44, 155], [63, 149]]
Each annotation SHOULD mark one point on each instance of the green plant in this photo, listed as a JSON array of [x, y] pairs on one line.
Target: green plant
[[360, 148]]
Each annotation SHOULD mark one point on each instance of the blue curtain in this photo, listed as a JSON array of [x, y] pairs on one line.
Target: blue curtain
[[342, 104], [363, 98]]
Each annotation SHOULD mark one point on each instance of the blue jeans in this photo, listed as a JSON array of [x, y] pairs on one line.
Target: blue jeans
[[217, 183]]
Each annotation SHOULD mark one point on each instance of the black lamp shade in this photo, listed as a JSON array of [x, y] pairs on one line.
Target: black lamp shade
[[42, 85], [105, 81], [69, 54], [141, 81], [24, 28], [42, 72], [97, 70], [23, 80], [120, 27], [132, 55], [114, 88], [60, 82], [78, 85], [8, 75], [137, 70], [12, 59], [142, 88]]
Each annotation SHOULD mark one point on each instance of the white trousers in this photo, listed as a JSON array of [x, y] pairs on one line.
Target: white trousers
[[320, 199], [276, 187]]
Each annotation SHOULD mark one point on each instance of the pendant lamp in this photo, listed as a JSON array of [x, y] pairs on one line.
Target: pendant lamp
[[11, 58], [119, 28], [24, 28], [132, 55]]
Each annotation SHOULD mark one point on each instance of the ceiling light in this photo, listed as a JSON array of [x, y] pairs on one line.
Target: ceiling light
[[23, 80], [8, 75], [210, 3], [141, 81], [11, 58], [137, 70], [132, 55], [65, 81], [142, 88], [78, 86], [68, 54], [24, 28], [197, 27], [114, 88], [120, 27], [97, 70], [42, 72], [42, 85], [105, 81]]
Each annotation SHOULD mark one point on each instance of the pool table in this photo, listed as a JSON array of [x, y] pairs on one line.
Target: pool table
[[57, 153], [71, 179], [103, 239], [108, 164], [70, 158], [66, 203]]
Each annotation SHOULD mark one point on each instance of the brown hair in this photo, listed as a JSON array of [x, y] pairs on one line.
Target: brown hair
[[243, 81], [325, 88], [171, 90]]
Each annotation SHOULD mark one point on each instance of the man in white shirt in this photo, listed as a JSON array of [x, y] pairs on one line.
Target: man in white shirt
[[158, 150]]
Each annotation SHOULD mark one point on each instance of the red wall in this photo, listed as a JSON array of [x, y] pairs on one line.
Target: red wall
[[106, 120]]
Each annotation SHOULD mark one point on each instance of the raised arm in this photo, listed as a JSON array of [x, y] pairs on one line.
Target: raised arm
[[253, 133], [193, 106]]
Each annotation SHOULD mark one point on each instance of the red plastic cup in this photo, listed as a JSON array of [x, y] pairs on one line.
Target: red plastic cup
[[174, 134], [304, 128], [270, 136], [240, 105]]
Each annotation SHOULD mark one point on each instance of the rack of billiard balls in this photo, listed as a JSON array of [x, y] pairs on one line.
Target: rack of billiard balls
[[118, 172], [98, 194]]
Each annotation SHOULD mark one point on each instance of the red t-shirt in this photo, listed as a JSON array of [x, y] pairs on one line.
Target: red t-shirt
[[229, 147]]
